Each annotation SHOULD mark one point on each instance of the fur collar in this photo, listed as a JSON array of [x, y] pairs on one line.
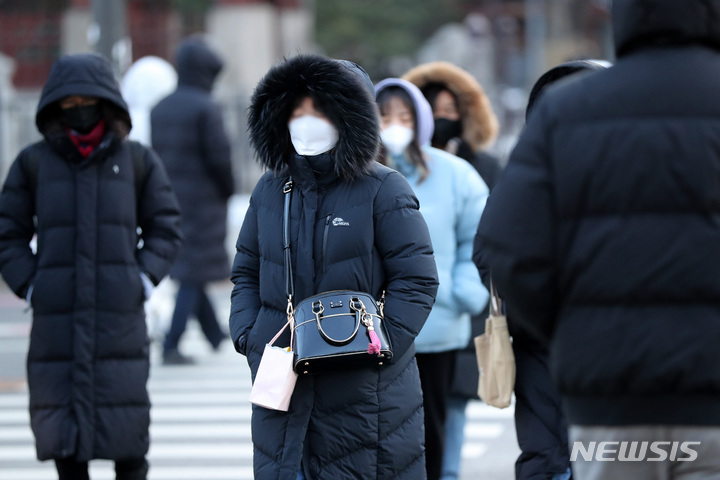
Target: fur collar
[[341, 93], [480, 126]]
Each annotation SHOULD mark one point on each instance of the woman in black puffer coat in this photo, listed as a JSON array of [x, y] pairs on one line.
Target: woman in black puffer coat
[[355, 225], [85, 190]]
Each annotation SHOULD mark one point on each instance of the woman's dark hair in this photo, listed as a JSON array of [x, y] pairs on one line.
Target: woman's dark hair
[[433, 89], [413, 151], [319, 105]]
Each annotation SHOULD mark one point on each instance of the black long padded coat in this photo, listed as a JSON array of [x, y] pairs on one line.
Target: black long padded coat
[[88, 360], [603, 231], [357, 226], [189, 136]]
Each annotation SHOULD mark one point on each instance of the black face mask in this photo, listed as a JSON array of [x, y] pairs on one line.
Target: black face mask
[[445, 130], [82, 119]]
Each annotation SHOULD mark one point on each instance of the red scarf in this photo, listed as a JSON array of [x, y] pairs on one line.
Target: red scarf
[[86, 143]]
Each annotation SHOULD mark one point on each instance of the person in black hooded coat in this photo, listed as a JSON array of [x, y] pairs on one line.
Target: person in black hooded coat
[[602, 238], [188, 133], [540, 424], [84, 191], [364, 423]]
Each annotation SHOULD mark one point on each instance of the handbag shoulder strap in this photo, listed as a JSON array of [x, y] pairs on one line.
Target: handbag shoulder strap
[[289, 284]]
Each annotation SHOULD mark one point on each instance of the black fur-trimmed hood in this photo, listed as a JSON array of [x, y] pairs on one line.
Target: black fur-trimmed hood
[[339, 88]]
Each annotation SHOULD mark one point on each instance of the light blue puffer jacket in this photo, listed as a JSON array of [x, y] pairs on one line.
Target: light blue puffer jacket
[[452, 198]]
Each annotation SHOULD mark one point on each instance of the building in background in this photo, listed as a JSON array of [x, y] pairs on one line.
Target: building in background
[[251, 35], [508, 44]]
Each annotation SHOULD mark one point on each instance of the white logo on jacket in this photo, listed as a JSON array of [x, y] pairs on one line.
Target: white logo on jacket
[[339, 222]]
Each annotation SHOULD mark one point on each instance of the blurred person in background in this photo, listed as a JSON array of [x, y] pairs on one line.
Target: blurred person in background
[[84, 190], [540, 425], [354, 224], [147, 81], [464, 122], [602, 239], [465, 125], [189, 135], [452, 196]]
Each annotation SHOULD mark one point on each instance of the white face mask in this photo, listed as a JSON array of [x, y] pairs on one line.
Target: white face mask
[[396, 138], [312, 135]]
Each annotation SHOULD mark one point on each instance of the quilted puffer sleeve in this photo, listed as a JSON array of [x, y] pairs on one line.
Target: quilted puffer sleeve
[[245, 298], [159, 219], [17, 261], [468, 290], [403, 242]]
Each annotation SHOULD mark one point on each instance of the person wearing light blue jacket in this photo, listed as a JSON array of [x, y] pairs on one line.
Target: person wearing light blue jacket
[[452, 196]]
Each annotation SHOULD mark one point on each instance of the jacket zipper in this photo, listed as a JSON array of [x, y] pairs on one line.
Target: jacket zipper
[[325, 238]]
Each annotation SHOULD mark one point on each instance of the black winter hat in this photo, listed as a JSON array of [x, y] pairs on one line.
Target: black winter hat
[[559, 72]]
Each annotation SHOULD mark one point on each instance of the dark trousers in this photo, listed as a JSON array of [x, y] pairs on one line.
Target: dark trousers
[[542, 431], [132, 469], [192, 300], [436, 373]]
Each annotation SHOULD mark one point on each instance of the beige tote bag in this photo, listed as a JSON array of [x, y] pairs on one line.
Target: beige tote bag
[[495, 357], [275, 379]]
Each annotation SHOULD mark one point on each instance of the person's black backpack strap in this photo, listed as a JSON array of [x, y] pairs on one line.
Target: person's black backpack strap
[[137, 152], [31, 165]]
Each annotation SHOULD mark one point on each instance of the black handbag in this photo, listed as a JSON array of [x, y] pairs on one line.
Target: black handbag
[[335, 330]]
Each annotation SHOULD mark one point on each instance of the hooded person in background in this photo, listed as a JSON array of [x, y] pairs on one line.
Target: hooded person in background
[[84, 190], [189, 135], [465, 125], [452, 196], [602, 235], [354, 224], [464, 122]]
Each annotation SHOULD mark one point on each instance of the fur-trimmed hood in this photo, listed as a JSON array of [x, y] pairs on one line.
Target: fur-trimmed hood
[[339, 88], [480, 125]]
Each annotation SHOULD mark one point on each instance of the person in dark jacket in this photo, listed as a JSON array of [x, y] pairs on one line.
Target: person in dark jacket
[[465, 125], [354, 225], [188, 133], [85, 191], [602, 238], [540, 424]]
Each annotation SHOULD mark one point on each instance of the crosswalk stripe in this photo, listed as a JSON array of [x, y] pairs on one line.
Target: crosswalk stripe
[[158, 432], [106, 472]]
